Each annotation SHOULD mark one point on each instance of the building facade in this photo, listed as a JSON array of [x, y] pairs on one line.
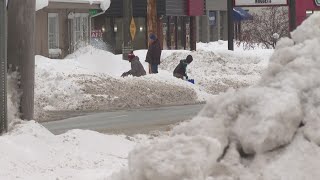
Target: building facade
[[213, 25], [305, 8], [173, 22], [62, 27]]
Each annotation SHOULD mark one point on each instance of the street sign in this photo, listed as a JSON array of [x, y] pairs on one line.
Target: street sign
[[93, 12], [96, 34], [133, 29], [260, 2], [317, 2]]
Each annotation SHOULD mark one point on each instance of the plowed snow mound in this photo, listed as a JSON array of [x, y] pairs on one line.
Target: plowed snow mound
[[218, 70], [269, 131]]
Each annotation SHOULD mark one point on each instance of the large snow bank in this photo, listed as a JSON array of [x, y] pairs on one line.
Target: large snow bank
[[31, 152], [268, 131], [216, 69], [90, 79]]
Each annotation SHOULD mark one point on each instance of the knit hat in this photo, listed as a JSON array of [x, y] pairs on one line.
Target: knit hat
[[131, 55], [152, 36], [189, 59]]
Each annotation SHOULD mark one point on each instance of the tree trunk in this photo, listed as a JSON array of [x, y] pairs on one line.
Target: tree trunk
[[21, 50], [152, 17]]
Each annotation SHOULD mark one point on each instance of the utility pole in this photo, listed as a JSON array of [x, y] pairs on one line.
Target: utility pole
[[230, 25], [152, 17], [3, 67], [127, 41], [292, 15], [21, 50]]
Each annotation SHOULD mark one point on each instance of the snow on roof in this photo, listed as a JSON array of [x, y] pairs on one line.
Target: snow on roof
[[104, 4]]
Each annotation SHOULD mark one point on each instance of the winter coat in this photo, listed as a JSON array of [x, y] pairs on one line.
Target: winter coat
[[136, 68], [154, 53], [181, 68]]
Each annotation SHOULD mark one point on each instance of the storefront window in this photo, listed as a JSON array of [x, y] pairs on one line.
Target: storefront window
[[172, 33], [140, 41], [187, 24], [164, 33], [180, 33]]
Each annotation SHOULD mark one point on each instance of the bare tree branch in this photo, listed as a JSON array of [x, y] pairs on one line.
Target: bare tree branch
[[266, 27]]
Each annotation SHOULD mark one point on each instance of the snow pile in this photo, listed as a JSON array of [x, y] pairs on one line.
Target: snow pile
[[90, 79], [104, 4], [216, 69], [31, 152], [267, 131]]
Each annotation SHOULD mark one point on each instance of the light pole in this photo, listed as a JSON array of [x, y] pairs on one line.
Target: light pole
[[3, 67], [230, 25], [21, 50]]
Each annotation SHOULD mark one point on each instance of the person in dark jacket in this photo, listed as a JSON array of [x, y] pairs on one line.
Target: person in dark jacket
[[137, 69], [181, 70], [153, 54]]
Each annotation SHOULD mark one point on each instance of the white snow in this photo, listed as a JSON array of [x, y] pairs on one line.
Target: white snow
[[216, 69], [270, 131], [90, 80], [31, 152], [40, 4]]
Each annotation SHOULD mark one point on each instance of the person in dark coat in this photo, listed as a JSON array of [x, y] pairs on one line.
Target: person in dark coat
[[137, 69], [181, 70], [153, 54]]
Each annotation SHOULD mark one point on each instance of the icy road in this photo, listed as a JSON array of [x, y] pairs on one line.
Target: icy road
[[127, 122]]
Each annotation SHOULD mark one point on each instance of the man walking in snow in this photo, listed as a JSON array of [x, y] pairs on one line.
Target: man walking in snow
[[153, 54], [137, 69], [181, 70]]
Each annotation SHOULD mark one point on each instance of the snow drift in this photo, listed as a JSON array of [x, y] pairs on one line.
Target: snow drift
[[267, 131], [90, 80], [216, 69], [31, 152]]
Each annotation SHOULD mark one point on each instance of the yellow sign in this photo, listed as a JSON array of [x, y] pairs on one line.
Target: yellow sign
[[133, 29]]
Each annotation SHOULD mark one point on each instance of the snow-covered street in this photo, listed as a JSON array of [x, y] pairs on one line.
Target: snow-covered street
[[267, 131]]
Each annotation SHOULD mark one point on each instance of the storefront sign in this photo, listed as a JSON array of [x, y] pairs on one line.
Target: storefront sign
[[195, 7], [261, 2], [317, 2], [96, 34]]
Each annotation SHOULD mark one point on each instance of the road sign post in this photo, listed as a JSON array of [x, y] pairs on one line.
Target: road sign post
[[3, 67]]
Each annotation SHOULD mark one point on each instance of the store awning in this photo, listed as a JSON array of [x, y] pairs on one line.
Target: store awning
[[240, 14]]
